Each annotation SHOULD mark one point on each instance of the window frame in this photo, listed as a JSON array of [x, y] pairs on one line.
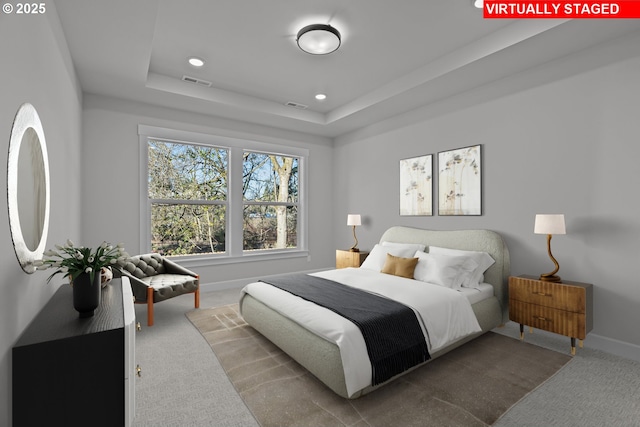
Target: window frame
[[234, 203]]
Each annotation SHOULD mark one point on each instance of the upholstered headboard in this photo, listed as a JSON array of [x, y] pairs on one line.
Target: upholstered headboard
[[470, 240]]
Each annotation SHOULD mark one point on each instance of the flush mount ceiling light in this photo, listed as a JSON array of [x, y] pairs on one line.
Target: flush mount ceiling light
[[478, 3], [196, 62], [321, 97], [318, 39]]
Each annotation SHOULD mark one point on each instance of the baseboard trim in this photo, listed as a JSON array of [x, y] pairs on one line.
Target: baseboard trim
[[614, 346]]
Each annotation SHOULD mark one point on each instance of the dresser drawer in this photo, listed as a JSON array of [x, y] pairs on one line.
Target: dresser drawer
[[560, 296], [562, 322]]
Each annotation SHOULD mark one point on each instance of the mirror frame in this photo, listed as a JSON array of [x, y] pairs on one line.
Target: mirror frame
[[26, 118]]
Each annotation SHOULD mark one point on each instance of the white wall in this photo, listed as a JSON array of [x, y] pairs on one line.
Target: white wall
[[111, 199], [569, 147], [36, 68]]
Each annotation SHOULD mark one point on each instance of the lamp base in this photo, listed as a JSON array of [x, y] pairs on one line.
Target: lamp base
[[354, 250], [550, 278]]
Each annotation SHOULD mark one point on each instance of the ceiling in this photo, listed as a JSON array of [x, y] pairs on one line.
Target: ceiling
[[395, 55]]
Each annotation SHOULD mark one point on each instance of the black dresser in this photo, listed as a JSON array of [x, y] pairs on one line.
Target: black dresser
[[70, 371]]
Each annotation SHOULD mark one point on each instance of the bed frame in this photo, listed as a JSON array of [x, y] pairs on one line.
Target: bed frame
[[322, 357]]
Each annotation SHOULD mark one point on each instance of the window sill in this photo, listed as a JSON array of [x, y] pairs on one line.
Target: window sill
[[205, 261]]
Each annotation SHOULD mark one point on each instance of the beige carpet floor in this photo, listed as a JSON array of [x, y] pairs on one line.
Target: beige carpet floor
[[470, 386]]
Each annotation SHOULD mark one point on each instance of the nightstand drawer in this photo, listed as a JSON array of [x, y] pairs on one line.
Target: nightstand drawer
[[548, 319], [561, 296]]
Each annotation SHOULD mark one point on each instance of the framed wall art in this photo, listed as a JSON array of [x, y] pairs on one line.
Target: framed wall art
[[416, 186], [460, 181]]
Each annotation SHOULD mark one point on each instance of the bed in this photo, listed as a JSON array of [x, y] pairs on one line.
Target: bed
[[326, 356]]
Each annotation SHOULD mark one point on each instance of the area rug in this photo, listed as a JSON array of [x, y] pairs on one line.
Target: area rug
[[472, 385]]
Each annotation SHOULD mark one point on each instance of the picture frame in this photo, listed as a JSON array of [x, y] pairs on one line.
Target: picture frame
[[416, 186], [460, 181]]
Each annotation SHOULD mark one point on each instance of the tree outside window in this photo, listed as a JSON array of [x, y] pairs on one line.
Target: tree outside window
[[270, 196], [188, 189]]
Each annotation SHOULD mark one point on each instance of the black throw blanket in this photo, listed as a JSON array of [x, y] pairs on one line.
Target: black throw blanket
[[391, 331]]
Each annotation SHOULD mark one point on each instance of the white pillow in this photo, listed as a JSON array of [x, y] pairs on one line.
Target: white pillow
[[483, 260], [408, 249], [378, 256], [443, 270]]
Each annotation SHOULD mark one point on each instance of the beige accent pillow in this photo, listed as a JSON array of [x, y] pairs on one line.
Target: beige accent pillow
[[403, 267]]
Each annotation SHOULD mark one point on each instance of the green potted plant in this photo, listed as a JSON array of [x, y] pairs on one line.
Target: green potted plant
[[83, 267]]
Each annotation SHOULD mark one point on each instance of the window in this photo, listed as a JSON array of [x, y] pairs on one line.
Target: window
[[221, 199], [270, 198], [187, 188]]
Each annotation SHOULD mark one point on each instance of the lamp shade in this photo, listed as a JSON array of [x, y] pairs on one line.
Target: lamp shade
[[549, 224], [354, 219], [319, 39]]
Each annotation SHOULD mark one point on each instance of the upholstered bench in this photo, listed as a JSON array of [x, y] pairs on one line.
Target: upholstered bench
[[155, 278]]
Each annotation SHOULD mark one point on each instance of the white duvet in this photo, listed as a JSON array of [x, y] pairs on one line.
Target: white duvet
[[445, 315]]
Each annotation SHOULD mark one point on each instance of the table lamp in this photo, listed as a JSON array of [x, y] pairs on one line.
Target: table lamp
[[354, 220], [550, 224]]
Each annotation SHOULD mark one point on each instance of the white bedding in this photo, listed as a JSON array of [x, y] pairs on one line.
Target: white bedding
[[477, 294], [445, 315]]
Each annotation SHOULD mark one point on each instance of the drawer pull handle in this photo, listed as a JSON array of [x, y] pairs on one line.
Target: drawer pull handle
[[544, 319], [542, 294]]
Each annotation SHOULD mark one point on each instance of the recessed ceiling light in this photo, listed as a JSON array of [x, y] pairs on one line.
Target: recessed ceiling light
[[321, 97], [196, 62], [478, 3]]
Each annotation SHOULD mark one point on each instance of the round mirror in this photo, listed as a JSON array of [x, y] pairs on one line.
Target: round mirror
[[28, 187]]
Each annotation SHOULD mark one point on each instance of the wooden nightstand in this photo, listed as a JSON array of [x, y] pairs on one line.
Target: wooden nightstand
[[347, 258], [565, 308]]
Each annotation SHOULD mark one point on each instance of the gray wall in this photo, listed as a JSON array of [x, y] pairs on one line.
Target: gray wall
[[36, 68], [569, 147], [110, 132]]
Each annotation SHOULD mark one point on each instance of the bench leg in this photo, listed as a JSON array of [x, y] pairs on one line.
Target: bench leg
[[150, 306], [197, 295]]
